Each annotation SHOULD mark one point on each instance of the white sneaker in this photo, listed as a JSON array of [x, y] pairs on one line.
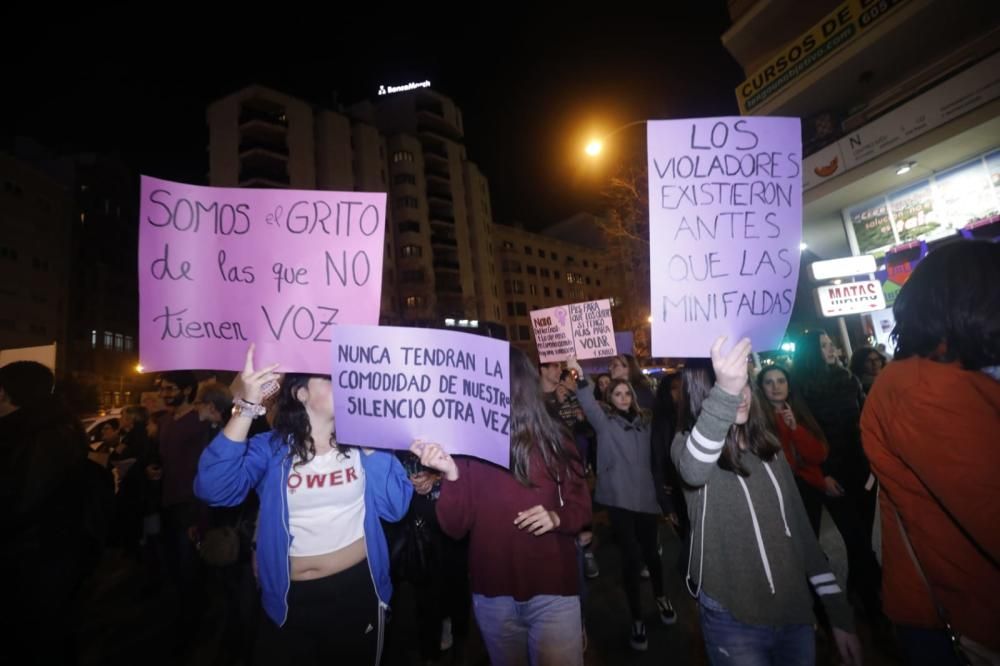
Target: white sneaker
[[447, 640], [638, 638], [590, 568], [644, 573], [667, 613]]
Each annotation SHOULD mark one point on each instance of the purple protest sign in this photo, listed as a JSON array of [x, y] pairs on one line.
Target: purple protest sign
[[222, 267], [725, 223], [392, 385], [623, 345]]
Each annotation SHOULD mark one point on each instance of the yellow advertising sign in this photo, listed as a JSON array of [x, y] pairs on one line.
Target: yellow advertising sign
[[832, 33]]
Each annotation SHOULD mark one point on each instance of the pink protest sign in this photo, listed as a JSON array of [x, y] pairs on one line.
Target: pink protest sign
[[583, 330], [220, 268], [392, 385], [725, 223]]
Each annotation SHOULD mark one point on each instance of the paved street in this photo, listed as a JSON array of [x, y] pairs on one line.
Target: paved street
[[120, 627]]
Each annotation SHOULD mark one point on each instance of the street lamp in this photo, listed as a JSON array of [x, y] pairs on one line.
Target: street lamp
[[596, 145]]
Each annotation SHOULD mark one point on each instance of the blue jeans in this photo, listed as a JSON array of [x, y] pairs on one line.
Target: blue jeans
[[542, 631], [730, 642]]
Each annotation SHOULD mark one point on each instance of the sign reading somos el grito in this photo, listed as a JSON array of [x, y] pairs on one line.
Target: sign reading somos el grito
[[220, 268]]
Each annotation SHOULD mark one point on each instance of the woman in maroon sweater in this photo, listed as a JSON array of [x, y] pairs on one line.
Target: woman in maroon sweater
[[521, 525]]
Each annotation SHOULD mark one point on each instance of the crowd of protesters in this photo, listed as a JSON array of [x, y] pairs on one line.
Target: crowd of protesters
[[241, 493]]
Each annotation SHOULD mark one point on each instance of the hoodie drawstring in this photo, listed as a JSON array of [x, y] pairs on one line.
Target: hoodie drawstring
[[756, 529], [781, 501], [701, 558]]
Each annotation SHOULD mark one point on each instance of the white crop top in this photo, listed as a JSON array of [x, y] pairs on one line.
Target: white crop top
[[326, 503]]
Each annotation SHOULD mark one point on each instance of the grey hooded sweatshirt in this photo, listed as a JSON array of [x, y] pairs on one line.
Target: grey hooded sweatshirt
[[752, 548], [624, 460]]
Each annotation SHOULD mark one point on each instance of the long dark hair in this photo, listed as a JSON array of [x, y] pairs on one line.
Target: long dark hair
[[803, 416], [635, 375], [532, 426], [634, 410], [598, 393], [809, 361], [760, 440], [949, 309], [291, 421]]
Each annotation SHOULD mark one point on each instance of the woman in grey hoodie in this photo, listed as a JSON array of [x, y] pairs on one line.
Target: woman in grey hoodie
[[625, 486], [753, 553]]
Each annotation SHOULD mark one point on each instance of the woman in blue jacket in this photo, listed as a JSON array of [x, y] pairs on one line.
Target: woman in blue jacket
[[321, 553]]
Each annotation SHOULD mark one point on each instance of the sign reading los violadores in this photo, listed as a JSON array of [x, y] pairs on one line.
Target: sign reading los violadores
[[221, 267], [725, 225]]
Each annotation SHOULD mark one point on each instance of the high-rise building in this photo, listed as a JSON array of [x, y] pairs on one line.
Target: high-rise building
[[36, 212], [439, 257]]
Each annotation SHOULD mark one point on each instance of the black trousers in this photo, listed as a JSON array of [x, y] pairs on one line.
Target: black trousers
[[853, 515], [331, 620], [635, 534], [812, 500]]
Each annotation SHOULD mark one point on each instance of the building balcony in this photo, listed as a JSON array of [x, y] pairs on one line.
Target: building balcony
[[272, 118], [445, 241], [448, 288], [278, 149], [442, 264], [432, 124], [434, 150], [437, 173], [264, 183], [440, 195], [260, 173], [444, 222]]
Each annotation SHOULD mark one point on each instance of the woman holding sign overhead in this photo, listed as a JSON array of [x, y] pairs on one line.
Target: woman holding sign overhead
[[522, 524], [322, 556], [626, 486], [753, 554]]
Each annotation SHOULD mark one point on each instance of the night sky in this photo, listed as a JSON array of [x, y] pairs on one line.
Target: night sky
[[531, 87]]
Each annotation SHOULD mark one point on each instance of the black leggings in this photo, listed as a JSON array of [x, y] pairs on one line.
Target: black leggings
[[635, 534], [331, 620]]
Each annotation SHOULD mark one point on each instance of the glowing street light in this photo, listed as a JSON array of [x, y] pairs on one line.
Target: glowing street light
[[596, 145], [139, 368]]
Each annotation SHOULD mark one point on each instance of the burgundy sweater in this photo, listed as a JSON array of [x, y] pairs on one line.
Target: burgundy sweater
[[504, 560]]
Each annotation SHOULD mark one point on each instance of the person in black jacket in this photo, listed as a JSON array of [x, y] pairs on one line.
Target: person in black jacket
[[835, 398], [54, 511]]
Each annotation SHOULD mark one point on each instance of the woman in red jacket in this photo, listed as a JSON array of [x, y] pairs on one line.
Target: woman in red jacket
[[521, 523], [801, 438]]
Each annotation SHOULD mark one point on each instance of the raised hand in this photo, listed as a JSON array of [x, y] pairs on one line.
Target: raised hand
[[731, 369], [789, 416], [249, 383], [433, 456]]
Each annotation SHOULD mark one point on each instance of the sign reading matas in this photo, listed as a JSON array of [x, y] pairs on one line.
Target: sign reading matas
[[584, 330], [392, 385], [725, 222], [220, 268]]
